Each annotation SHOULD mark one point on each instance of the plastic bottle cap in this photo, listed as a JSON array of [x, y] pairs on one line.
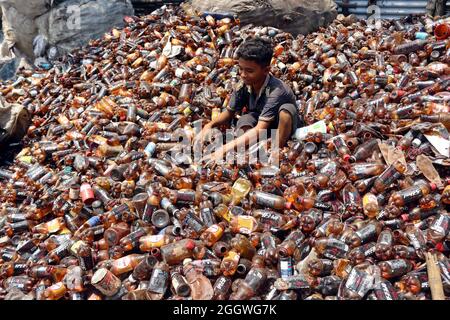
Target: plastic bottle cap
[[346, 157], [433, 186], [404, 217], [440, 247], [190, 245]]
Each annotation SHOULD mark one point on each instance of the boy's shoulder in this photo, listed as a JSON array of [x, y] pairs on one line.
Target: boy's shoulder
[[276, 83]]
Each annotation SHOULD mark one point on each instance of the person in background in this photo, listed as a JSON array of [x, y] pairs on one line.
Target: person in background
[[263, 101], [436, 7]]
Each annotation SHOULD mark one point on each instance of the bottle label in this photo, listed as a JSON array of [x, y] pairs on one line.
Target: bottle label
[[93, 221], [445, 272], [367, 232], [335, 249], [411, 194], [214, 229], [414, 239], [233, 256], [286, 267], [221, 285], [154, 241], [325, 195], [185, 196], [266, 201], [441, 224], [385, 238], [207, 216], [76, 246], [123, 262], [398, 266], [86, 263], [254, 279], [271, 218], [385, 291], [98, 230], [369, 249], [194, 223], [297, 237], [158, 281], [359, 282], [292, 282], [177, 280], [389, 175]]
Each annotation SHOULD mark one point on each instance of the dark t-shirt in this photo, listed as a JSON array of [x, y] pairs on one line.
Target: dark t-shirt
[[274, 93]]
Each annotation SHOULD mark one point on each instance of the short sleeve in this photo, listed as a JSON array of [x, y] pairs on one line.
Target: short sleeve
[[273, 103], [239, 98]]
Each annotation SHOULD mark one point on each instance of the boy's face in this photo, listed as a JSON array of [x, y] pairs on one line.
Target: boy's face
[[251, 72]]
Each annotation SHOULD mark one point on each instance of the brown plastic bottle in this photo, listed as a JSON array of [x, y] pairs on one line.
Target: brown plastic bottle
[[213, 234], [252, 283], [201, 288], [221, 288], [126, 264], [174, 253], [269, 200], [395, 268], [388, 176], [243, 246], [115, 233], [288, 246], [411, 194], [443, 118], [364, 151], [320, 267], [159, 279], [55, 292], [230, 263], [383, 248]]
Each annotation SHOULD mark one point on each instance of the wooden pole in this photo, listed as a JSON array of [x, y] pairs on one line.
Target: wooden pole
[[434, 277]]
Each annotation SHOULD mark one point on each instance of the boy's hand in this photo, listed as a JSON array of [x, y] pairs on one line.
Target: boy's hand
[[213, 158], [200, 137]]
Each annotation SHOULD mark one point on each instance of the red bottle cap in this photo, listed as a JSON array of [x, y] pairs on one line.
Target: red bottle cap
[[346, 157], [404, 217], [433, 186], [190, 245], [288, 205], [440, 247], [442, 31]]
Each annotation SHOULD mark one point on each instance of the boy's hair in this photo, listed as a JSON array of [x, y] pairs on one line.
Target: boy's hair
[[258, 50]]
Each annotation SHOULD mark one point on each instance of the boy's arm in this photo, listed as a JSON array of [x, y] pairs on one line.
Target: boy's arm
[[223, 118], [250, 135]]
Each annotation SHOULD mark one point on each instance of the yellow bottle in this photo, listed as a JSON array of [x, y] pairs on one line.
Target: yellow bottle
[[240, 190], [243, 224], [147, 243], [213, 234], [230, 263], [370, 205], [223, 212]]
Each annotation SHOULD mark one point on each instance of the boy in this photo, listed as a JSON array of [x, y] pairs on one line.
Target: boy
[[269, 102]]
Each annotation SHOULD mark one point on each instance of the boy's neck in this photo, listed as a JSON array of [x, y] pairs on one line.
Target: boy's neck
[[257, 87]]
